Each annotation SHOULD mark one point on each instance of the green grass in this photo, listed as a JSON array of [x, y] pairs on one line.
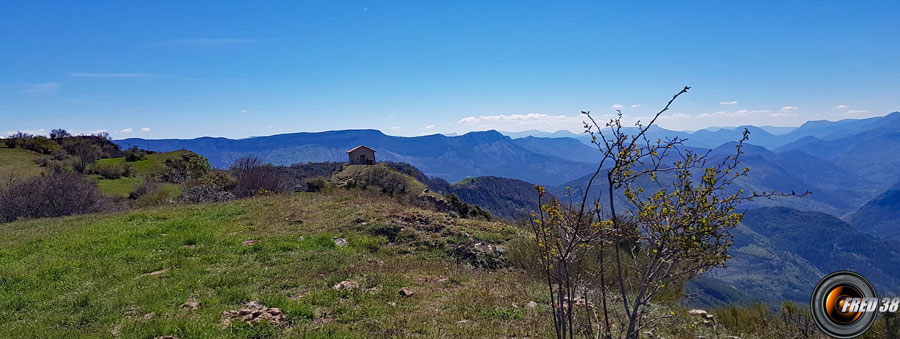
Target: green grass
[[18, 162], [153, 164], [82, 276]]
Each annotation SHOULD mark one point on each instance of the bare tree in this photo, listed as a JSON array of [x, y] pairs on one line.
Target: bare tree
[[660, 231]]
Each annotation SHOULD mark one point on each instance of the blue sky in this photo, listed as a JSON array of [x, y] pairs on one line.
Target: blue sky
[[239, 69]]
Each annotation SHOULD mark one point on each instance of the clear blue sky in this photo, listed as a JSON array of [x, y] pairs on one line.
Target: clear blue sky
[[420, 67]]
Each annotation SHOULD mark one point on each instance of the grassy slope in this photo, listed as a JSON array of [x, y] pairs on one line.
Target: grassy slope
[[79, 276], [154, 163], [17, 161]]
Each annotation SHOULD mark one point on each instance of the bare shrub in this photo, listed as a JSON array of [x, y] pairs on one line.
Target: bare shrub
[[53, 195], [212, 187], [148, 186], [254, 177]]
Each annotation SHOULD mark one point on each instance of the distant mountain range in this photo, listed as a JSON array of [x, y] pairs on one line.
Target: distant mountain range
[[451, 158], [852, 168]]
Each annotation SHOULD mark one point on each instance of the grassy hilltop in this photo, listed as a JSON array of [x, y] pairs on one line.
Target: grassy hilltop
[[93, 275]]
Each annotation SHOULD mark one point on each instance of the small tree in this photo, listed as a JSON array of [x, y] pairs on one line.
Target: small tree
[[85, 152], [59, 134], [658, 237]]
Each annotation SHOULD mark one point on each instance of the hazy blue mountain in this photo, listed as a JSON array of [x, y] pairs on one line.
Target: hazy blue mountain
[[780, 253], [452, 158], [880, 216], [871, 151], [823, 129], [541, 134], [834, 189], [566, 148]]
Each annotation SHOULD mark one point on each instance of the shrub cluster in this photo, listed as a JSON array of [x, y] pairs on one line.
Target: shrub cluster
[[113, 171], [215, 186], [134, 154], [188, 166], [54, 195]]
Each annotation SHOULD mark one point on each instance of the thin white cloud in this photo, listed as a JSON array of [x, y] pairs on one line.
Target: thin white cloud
[[857, 112], [524, 122], [733, 102], [111, 75], [616, 106], [127, 130], [841, 107], [782, 114], [39, 131], [41, 88], [145, 129], [396, 127], [788, 108], [429, 126], [636, 105], [243, 111]]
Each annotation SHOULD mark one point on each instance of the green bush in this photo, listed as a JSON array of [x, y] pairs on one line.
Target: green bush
[[134, 154], [110, 171]]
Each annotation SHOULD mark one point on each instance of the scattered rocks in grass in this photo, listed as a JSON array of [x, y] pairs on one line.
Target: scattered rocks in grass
[[406, 292], [531, 304], [149, 316], [166, 337], [578, 302], [392, 304], [340, 242], [294, 220], [190, 305], [253, 312], [301, 238], [250, 242], [155, 273], [190, 247], [348, 285]]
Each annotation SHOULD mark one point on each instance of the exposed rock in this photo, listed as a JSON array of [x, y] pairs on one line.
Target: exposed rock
[[253, 312], [340, 242], [480, 254], [250, 242], [190, 305], [698, 312], [406, 292], [301, 238], [294, 220], [392, 304], [155, 273], [531, 304], [348, 285], [149, 316]]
